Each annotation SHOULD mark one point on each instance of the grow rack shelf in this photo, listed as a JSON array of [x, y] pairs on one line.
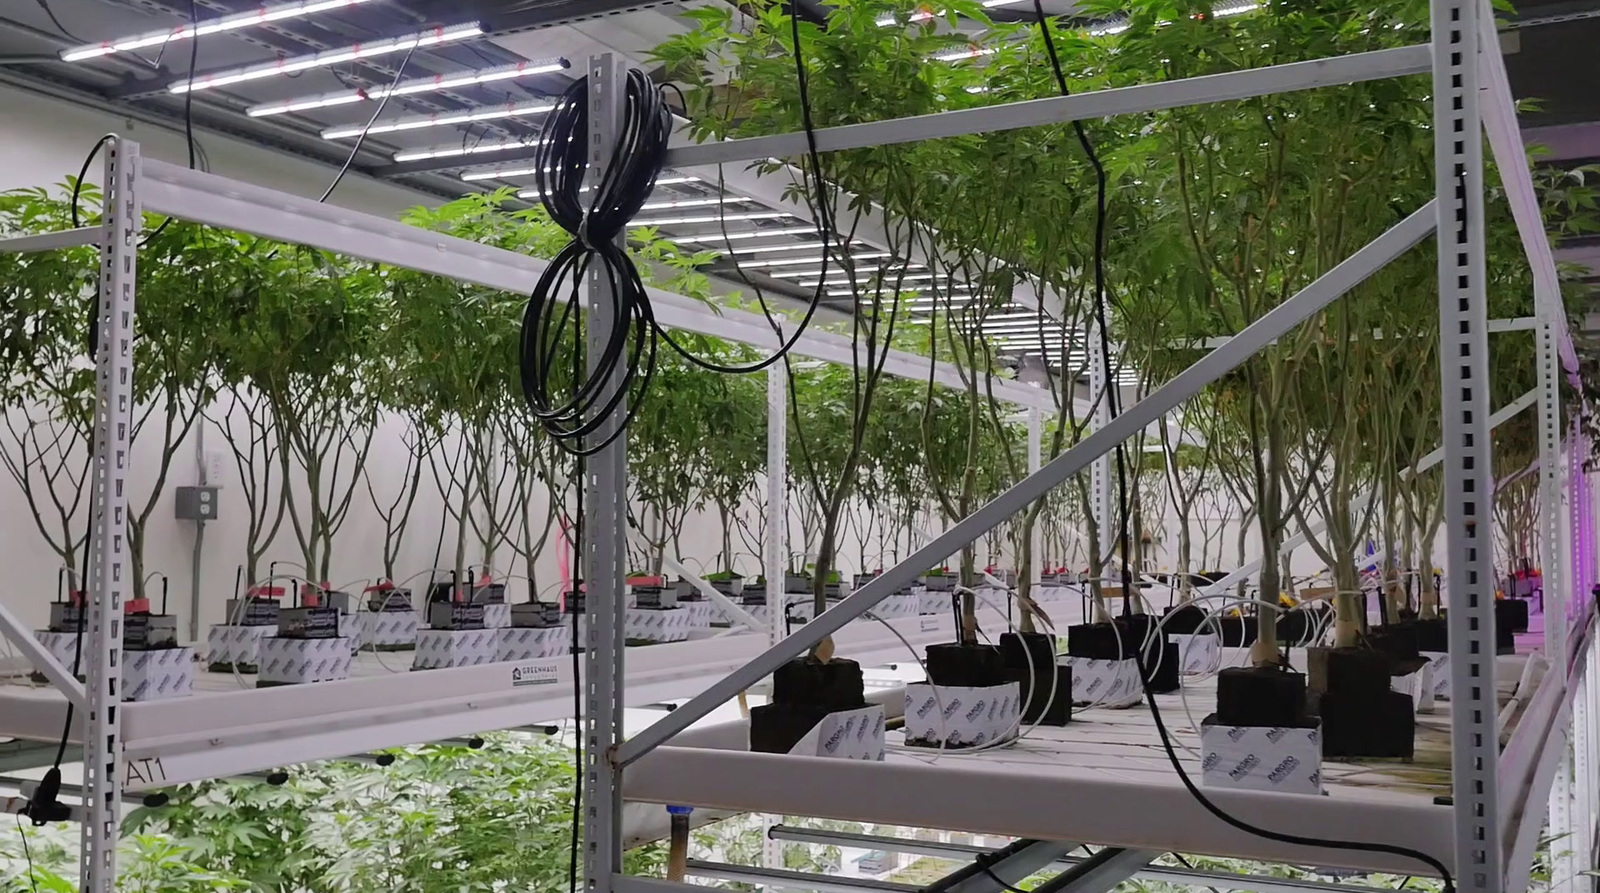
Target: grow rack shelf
[[223, 729], [1103, 779]]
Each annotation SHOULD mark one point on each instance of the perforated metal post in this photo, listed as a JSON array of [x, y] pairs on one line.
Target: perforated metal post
[[1035, 568], [1469, 522], [1552, 572], [777, 547], [1101, 506], [109, 572], [604, 533], [777, 541], [1563, 871]]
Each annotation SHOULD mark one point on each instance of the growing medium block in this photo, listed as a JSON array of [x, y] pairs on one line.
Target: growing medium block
[[61, 646], [231, 647], [814, 732], [158, 675], [1439, 664], [496, 615], [961, 716], [533, 643], [441, 648], [298, 661], [390, 630], [657, 624], [1198, 652], [1418, 685], [1104, 683], [1284, 759]]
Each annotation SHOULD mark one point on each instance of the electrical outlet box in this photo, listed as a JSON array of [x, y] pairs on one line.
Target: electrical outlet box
[[195, 503]]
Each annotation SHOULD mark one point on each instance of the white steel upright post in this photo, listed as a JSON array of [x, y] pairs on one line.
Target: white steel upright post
[[777, 547], [1469, 524], [604, 532], [108, 572], [1101, 507], [777, 542], [1035, 568], [1553, 575]]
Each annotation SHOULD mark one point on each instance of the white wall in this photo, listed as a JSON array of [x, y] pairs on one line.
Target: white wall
[[45, 141]]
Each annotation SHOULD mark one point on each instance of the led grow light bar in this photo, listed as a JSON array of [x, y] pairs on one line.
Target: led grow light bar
[[442, 119], [457, 149], [506, 172], [432, 84], [325, 58], [694, 203], [923, 15], [752, 234], [973, 52], [802, 261], [185, 31], [684, 221], [765, 249]]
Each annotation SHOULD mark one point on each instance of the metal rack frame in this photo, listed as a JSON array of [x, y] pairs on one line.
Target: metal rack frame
[[114, 733], [1464, 59]]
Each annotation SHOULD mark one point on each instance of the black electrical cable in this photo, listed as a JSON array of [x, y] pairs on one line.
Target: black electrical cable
[[45, 5], [362, 136], [27, 853], [628, 355], [1138, 653]]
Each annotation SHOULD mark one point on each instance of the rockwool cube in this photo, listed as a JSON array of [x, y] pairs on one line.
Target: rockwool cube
[[298, 661], [230, 647], [845, 735], [390, 630], [657, 624], [961, 716], [1198, 653], [158, 675], [441, 648], [1105, 683], [496, 615], [1260, 758], [1439, 664], [61, 646], [533, 643]]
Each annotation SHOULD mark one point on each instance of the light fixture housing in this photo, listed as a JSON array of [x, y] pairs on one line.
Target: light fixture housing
[[431, 84], [264, 15], [685, 221], [525, 109], [382, 47], [454, 150]]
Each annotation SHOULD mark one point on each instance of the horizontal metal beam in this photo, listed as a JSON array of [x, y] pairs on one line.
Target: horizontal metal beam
[[219, 201], [988, 797], [1510, 324], [935, 848], [796, 880], [1061, 109], [1319, 294], [1188, 877], [67, 238]]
